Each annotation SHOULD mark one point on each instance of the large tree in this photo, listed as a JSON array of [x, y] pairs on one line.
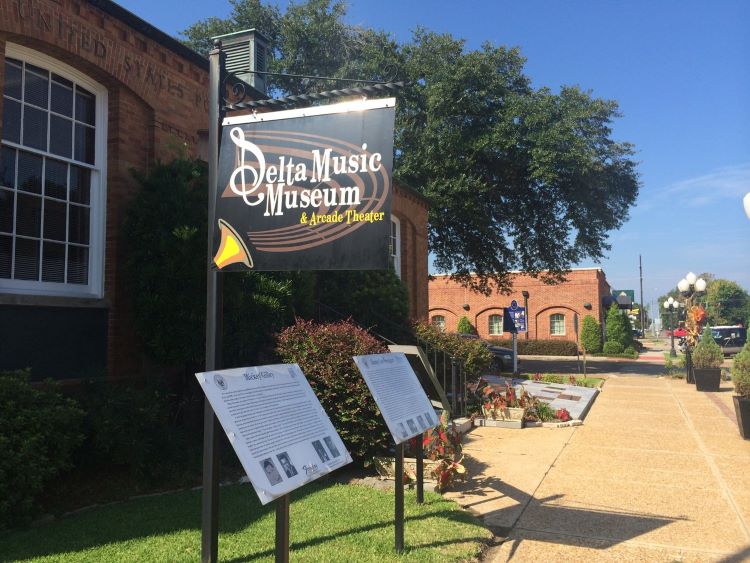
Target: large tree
[[518, 177], [727, 303]]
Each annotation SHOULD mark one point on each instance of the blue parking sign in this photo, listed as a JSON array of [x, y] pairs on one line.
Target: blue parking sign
[[519, 317]]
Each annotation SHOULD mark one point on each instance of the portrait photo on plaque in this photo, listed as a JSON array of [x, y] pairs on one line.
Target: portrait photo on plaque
[[276, 425]]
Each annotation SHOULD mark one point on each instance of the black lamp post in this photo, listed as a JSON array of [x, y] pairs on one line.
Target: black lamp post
[[690, 286], [526, 310], [671, 305]]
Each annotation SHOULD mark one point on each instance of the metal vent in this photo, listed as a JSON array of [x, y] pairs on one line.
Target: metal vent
[[247, 51]]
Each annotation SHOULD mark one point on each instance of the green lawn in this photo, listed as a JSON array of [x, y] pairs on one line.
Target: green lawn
[[328, 523]]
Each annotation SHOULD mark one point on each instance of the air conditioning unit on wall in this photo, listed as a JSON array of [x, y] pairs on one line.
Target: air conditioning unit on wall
[[247, 54]]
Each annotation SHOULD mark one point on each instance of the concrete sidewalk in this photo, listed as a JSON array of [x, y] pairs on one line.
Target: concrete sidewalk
[[658, 472]]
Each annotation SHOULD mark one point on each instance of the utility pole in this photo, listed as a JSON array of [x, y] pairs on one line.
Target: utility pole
[[640, 267]]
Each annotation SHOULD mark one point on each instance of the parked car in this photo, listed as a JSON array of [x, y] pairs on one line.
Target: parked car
[[502, 357], [730, 338], [678, 332]]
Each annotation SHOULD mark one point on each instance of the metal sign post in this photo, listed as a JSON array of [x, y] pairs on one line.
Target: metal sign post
[[419, 453], [399, 508], [211, 430], [282, 529]]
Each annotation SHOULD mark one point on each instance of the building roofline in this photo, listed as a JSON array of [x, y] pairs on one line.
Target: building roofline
[[412, 191], [522, 272], [153, 33]]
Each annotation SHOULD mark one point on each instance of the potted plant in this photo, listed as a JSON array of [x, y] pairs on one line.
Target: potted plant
[[707, 359], [741, 380], [503, 407]]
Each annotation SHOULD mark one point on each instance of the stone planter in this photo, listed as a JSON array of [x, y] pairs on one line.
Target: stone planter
[[508, 413], [707, 379], [742, 410], [386, 467], [480, 421]]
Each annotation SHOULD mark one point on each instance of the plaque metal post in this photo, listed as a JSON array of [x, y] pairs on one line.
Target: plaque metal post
[[419, 454], [282, 529], [211, 430], [399, 512]]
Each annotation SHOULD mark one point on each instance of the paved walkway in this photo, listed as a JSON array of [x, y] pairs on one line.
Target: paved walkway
[[658, 472]]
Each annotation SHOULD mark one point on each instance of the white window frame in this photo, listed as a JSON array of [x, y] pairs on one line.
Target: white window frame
[[396, 245], [98, 195], [440, 325], [489, 325], [552, 324]]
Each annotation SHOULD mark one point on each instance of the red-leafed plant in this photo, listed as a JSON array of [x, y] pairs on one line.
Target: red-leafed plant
[[443, 445], [495, 401], [562, 415], [537, 377], [324, 352]]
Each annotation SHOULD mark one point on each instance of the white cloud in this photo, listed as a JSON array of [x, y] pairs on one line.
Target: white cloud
[[731, 182]]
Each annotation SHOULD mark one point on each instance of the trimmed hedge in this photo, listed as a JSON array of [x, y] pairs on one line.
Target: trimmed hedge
[[324, 352], [39, 431], [539, 347]]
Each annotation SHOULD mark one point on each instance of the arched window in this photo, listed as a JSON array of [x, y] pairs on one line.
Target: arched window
[[557, 324], [438, 321], [396, 245], [52, 175], [495, 325]]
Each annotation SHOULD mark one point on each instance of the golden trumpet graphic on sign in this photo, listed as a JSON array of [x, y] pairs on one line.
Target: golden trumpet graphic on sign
[[232, 249]]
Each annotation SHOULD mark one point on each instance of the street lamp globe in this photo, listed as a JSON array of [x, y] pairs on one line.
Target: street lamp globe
[[691, 277], [746, 204], [700, 285], [683, 285]]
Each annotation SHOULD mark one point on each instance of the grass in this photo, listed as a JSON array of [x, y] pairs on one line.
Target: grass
[[327, 523], [565, 379]]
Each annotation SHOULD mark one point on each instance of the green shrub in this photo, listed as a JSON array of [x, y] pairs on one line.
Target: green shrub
[[612, 347], [741, 371], [618, 327], [324, 352], [140, 428], [472, 352], [707, 353], [591, 335], [164, 235], [39, 430], [542, 347], [464, 326]]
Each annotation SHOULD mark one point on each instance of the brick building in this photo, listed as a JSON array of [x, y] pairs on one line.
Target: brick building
[[551, 308], [91, 91]]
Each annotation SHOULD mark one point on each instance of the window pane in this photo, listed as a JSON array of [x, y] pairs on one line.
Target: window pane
[[7, 199], [29, 215], [35, 128], [29, 172], [6, 252], [60, 136], [37, 87], [7, 167], [85, 106], [56, 179], [62, 96], [84, 145], [12, 80], [27, 259], [78, 264], [78, 226], [55, 219], [11, 120], [53, 262], [80, 184]]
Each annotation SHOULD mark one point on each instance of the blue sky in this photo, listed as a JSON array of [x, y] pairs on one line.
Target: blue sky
[[680, 71]]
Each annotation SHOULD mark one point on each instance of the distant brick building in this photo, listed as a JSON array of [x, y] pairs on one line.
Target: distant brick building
[[551, 308], [91, 91]]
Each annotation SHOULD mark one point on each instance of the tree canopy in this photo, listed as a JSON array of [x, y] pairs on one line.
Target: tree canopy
[[519, 178]]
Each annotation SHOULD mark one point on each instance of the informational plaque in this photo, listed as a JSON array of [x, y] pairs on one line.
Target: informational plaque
[[394, 386], [276, 424]]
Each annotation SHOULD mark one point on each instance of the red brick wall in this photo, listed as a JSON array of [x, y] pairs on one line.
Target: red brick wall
[[411, 211], [157, 104], [583, 289]]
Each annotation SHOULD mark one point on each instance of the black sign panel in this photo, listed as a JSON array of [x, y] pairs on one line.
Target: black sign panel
[[306, 189]]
